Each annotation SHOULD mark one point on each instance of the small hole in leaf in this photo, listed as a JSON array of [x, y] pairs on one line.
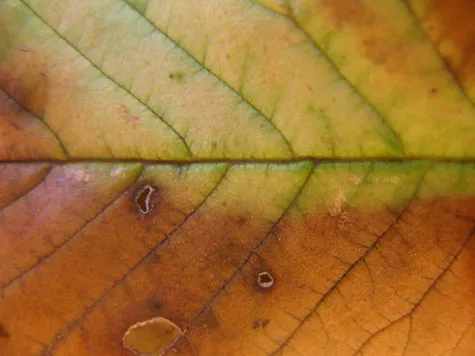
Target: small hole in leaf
[[144, 199], [265, 280]]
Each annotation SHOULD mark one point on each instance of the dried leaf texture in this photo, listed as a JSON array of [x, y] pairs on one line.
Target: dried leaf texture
[[258, 178]]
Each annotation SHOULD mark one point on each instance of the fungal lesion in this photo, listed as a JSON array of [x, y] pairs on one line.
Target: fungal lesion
[[145, 199]]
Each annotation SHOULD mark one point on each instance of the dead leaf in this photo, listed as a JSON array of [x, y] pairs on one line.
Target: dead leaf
[[237, 178]]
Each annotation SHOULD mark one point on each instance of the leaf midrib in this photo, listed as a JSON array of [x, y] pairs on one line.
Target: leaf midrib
[[283, 161]]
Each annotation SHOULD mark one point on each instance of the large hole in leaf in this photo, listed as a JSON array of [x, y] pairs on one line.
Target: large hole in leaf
[[151, 337]]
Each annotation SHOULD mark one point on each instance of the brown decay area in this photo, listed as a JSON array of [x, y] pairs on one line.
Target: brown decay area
[[203, 278], [455, 21], [381, 283], [349, 13], [381, 45]]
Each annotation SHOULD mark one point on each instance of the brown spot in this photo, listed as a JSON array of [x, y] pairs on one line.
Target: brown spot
[[260, 324], [155, 304], [456, 20], [178, 76], [3, 333]]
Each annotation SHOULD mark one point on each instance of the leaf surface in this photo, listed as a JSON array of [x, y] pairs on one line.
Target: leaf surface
[[159, 157]]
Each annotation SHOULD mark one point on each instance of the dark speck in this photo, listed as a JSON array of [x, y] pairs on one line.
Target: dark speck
[[260, 324], [3, 333]]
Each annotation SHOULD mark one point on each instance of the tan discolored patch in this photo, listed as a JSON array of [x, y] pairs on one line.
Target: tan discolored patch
[[337, 204], [152, 337], [381, 43], [451, 26]]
